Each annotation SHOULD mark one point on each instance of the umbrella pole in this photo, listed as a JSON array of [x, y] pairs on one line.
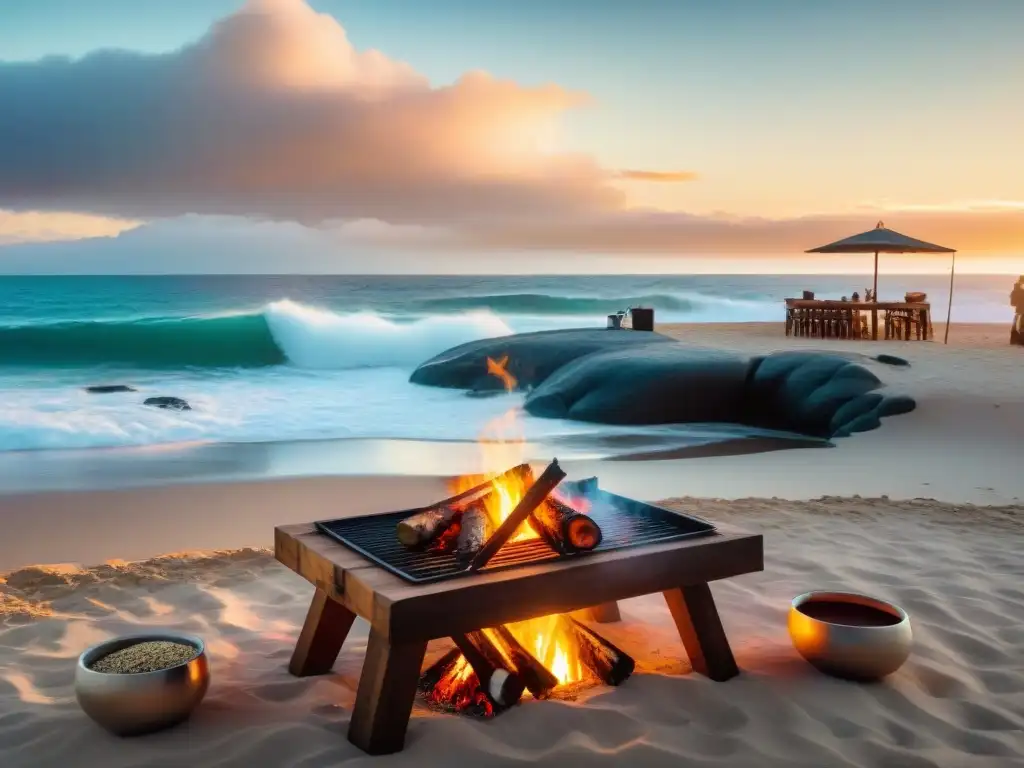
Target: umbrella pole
[[874, 312], [949, 309]]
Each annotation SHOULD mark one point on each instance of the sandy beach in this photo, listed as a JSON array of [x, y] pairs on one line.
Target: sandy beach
[[924, 511], [959, 701]]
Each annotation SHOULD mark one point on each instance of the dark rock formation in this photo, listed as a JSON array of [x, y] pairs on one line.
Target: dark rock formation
[[170, 403], [532, 357], [891, 360], [629, 378], [656, 384], [105, 389]]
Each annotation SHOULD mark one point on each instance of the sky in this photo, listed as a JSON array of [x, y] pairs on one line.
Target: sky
[[628, 131]]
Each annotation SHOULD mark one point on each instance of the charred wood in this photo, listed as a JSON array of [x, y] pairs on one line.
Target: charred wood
[[423, 527], [608, 662], [534, 495], [563, 528], [503, 686], [475, 527], [436, 672], [538, 679]]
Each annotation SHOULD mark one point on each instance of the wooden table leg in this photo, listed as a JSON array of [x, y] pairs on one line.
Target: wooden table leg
[[387, 689], [325, 629], [696, 617], [605, 613]]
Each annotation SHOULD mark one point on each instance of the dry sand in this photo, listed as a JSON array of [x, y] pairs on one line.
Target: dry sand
[[958, 702], [963, 443], [958, 570]]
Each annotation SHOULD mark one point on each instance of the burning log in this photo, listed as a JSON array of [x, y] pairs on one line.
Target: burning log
[[436, 672], [428, 525], [534, 495], [475, 527], [563, 528], [503, 687], [538, 679], [451, 682], [424, 527], [606, 661]]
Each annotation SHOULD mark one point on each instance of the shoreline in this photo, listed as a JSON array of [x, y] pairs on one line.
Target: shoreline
[[961, 445]]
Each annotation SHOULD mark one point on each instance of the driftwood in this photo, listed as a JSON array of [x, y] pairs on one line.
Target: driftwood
[[563, 528], [534, 495], [606, 661]]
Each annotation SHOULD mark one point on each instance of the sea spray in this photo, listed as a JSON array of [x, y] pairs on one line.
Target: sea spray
[[319, 339]]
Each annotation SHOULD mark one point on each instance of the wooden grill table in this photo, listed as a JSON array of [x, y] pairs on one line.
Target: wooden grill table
[[403, 616]]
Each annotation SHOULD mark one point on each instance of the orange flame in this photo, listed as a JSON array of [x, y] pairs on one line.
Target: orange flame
[[503, 446], [498, 369], [548, 638]]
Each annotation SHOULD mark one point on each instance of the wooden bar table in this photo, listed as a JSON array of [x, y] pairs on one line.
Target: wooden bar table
[[403, 615], [922, 311]]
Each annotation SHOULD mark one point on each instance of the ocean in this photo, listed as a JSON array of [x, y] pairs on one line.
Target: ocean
[[266, 359]]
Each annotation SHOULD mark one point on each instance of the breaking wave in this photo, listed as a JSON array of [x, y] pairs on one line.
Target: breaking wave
[[282, 332]]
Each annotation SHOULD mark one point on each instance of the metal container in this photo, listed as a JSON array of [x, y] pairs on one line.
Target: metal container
[[136, 703], [851, 650]]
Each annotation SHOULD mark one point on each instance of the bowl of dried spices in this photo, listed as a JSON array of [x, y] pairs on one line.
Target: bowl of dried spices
[[136, 684]]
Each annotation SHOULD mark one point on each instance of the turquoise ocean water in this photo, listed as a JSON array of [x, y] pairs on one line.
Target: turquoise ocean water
[[291, 358]]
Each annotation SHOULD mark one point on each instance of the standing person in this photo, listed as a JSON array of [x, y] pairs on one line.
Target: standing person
[[1017, 301]]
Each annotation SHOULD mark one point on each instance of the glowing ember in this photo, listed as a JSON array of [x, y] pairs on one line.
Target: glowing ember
[[459, 689]]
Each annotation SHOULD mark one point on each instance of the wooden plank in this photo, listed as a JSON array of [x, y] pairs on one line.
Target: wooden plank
[[404, 611], [605, 613], [700, 627], [324, 563], [327, 625], [425, 612], [387, 688]]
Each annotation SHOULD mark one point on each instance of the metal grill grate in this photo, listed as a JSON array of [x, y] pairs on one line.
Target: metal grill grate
[[624, 523]]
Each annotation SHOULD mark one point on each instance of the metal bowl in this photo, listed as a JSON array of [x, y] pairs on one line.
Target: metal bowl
[[848, 648], [136, 703]]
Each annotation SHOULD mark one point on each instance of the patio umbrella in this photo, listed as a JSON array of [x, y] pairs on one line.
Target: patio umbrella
[[884, 240]]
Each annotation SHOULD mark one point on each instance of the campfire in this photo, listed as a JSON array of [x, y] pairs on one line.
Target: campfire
[[505, 520], [490, 669], [480, 566]]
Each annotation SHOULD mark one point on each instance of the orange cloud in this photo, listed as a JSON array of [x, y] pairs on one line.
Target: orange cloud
[[48, 226], [671, 232], [663, 177], [274, 113]]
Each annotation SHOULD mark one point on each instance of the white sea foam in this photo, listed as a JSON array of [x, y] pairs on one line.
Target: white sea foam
[[259, 405], [321, 339]]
